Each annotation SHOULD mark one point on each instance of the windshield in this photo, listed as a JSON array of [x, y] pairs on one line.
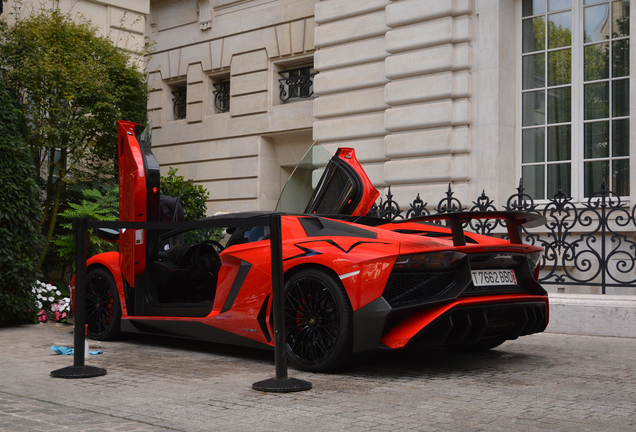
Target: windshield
[[301, 184]]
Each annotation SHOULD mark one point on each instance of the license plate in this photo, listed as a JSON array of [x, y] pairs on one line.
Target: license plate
[[494, 277]]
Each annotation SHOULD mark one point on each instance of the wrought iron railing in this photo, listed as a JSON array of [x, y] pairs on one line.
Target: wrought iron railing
[[179, 103], [297, 83], [591, 243], [222, 96]]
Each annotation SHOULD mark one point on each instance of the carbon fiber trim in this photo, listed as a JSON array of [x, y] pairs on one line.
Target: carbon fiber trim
[[244, 269], [471, 325]]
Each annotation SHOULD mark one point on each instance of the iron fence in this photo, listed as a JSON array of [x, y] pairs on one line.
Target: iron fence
[[589, 243]]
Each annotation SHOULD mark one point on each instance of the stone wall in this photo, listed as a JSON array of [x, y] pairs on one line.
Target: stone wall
[[429, 96], [242, 156], [350, 42], [395, 83], [592, 315]]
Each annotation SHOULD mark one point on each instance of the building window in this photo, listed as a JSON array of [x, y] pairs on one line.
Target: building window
[[179, 102], [606, 95], [297, 83], [222, 96], [575, 96]]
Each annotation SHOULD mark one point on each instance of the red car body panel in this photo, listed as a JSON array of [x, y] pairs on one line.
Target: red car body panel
[[401, 335]]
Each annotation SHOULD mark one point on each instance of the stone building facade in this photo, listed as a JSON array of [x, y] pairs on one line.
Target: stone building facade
[[123, 21], [471, 93], [475, 93], [241, 142], [478, 93]]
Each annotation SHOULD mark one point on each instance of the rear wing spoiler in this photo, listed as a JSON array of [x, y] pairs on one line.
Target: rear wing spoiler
[[514, 221]]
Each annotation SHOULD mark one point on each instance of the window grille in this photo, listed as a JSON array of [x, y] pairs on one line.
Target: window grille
[[222, 96], [297, 83], [179, 103]]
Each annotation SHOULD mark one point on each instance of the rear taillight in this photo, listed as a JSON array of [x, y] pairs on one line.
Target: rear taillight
[[434, 260]]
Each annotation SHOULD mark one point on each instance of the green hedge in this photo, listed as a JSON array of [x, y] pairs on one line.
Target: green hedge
[[19, 218]]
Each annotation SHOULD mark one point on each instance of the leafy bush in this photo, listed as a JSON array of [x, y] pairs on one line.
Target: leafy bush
[[95, 206], [103, 205], [19, 216], [193, 199]]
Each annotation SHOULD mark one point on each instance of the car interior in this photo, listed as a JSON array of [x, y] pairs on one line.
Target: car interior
[[186, 266]]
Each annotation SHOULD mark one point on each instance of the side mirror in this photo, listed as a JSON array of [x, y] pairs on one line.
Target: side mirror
[[108, 234]]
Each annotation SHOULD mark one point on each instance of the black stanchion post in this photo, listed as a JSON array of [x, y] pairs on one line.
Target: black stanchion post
[[79, 369], [80, 291], [282, 383]]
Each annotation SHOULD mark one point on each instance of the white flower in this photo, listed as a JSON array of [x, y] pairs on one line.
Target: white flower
[[38, 304], [57, 292], [51, 299]]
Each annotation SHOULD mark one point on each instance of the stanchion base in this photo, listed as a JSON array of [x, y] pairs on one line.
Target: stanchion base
[[282, 385], [78, 372]]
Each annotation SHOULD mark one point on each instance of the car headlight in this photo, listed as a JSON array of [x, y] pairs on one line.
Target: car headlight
[[433, 260]]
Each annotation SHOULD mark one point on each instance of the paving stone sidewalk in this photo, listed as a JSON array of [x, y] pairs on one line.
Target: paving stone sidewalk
[[540, 382]]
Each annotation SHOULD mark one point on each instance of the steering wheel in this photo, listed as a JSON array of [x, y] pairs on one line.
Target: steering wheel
[[206, 257]]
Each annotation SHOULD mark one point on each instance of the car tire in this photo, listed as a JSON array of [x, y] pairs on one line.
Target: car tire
[[318, 322], [483, 345], [103, 310]]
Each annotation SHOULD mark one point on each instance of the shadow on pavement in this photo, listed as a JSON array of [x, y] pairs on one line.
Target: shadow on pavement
[[433, 362]]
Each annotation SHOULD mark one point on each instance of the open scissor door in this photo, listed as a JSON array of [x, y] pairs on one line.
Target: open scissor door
[[139, 179], [343, 187]]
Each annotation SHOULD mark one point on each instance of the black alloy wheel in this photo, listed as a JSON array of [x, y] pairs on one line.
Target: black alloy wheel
[[318, 322], [103, 311]]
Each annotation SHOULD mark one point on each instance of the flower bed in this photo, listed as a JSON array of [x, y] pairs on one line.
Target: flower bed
[[51, 303]]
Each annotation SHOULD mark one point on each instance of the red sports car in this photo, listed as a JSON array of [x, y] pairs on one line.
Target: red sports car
[[352, 283]]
